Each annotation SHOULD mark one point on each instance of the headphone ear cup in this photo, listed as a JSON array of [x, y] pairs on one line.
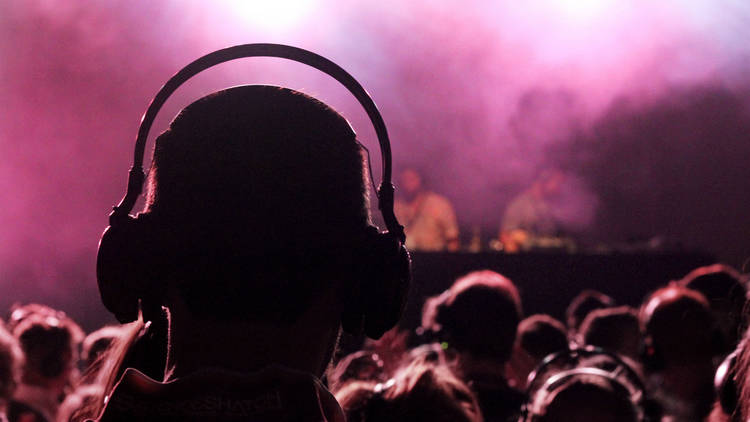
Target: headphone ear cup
[[385, 282], [121, 268]]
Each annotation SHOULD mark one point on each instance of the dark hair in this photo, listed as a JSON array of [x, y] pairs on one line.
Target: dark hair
[[587, 394], [726, 292], [479, 314], [613, 329], [11, 359], [258, 195], [49, 345], [582, 304], [541, 335], [678, 324], [418, 393]]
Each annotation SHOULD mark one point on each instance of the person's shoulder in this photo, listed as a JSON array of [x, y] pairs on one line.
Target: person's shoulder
[[435, 199], [272, 394]]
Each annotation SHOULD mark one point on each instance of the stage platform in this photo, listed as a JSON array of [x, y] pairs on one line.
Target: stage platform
[[548, 281]]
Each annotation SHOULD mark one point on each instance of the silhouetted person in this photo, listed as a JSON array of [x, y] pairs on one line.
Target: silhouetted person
[[529, 217], [418, 393], [612, 329], [726, 292], [11, 359], [257, 202], [538, 336], [680, 341], [477, 318], [581, 306], [586, 399], [428, 218], [50, 352]]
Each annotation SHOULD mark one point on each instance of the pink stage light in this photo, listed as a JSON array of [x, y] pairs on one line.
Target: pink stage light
[[270, 16]]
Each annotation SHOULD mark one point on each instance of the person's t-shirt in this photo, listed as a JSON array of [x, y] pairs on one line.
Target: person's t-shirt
[[273, 394]]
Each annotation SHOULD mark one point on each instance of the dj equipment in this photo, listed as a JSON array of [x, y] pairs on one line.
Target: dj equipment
[[124, 273]]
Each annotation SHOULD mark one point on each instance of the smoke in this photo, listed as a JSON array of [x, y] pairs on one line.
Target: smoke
[[480, 95]]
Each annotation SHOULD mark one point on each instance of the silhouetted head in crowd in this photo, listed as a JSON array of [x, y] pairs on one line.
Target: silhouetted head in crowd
[[680, 343], [541, 335], [11, 360], [50, 348], [270, 184], [586, 398], [725, 290], [741, 380], [613, 329], [581, 305], [18, 313], [538, 336], [259, 199], [478, 316], [418, 393], [678, 326]]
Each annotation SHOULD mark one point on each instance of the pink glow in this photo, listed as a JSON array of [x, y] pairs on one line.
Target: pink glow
[[481, 94]]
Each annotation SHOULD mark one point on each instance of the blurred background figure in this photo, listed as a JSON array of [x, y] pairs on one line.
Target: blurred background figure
[[726, 292], [11, 359], [680, 341], [418, 393], [477, 319], [538, 336], [428, 218], [586, 399], [529, 220], [583, 304], [49, 342], [612, 329]]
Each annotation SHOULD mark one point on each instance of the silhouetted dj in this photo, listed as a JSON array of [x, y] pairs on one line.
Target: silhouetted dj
[[529, 220]]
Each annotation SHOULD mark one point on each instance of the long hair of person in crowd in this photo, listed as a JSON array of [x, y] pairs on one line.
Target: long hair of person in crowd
[[420, 392], [11, 360], [103, 374], [49, 341]]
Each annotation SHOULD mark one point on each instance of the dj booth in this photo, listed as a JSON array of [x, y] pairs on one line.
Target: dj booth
[[548, 281]]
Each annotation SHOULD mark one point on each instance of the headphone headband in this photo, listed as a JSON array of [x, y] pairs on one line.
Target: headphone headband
[[136, 176]]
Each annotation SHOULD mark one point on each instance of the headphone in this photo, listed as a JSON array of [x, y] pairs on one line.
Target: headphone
[[557, 369], [128, 284]]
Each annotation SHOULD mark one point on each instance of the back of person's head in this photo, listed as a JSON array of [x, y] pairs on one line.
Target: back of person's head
[[478, 315], [585, 398], [256, 197], [726, 292], [678, 326], [419, 393], [541, 335], [50, 348], [11, 359], [613, 329], [581, 305], [18, 313], [740, 382]]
